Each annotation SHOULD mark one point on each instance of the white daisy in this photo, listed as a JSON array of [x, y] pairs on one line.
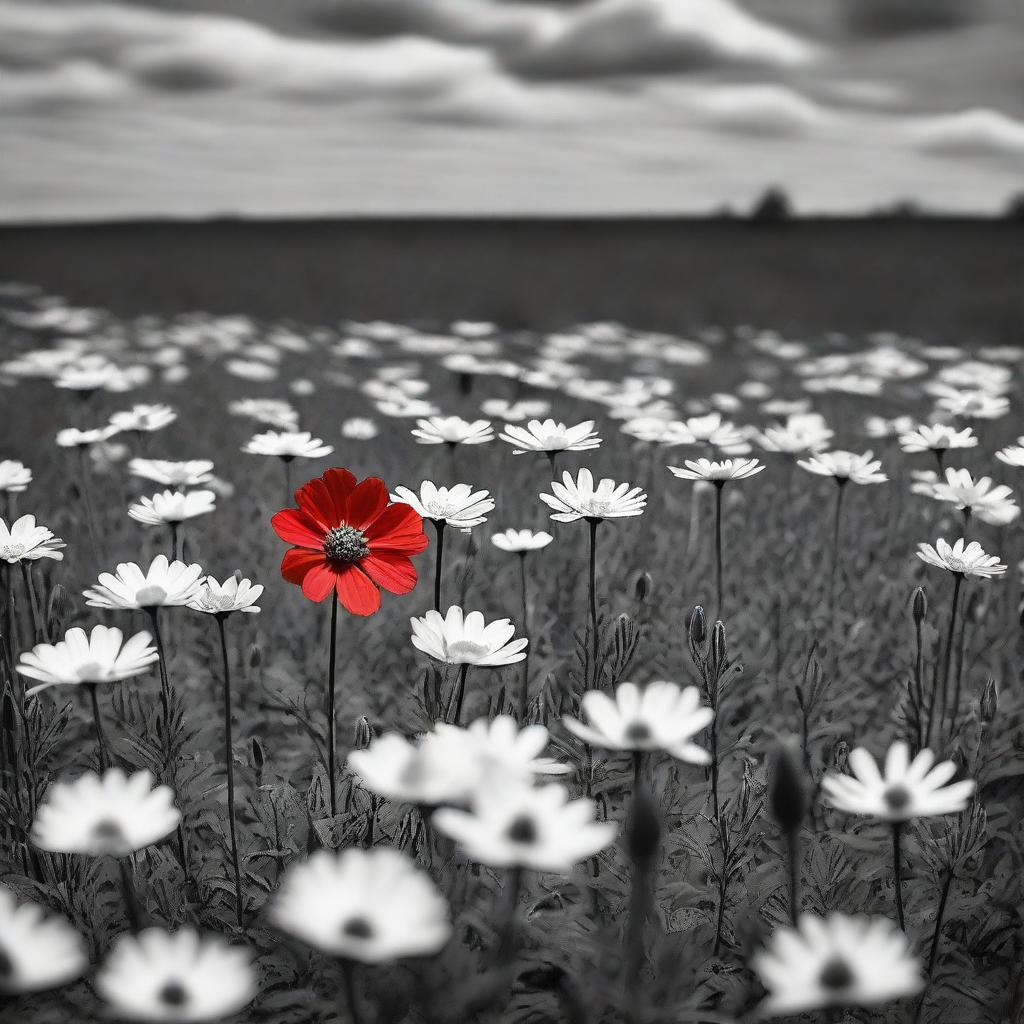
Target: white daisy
[[105, 815], [23, 541], [178, 977], [978, 498], [71, 437], [977, 405], [803, 432], [711, 429], [967, 559], [14, 476], [458, 506], [273, 411], [580, 499], [359, 428], [97, 657], [144, 418], [717, 472], [287, 445], [844, 465], [38, 951], [520, 541], [458, 639], [452, 430], [550, 436], [907, 789], [1012, 455], [191, 473], [659, 716], [172, 507], [937, 438], [235, 594], [163, 584], [365, 905]]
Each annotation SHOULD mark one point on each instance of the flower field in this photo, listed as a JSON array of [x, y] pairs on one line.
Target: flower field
[[374, 673]]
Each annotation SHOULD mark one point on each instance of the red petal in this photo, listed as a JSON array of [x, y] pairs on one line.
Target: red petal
[[340, 484], [398, 528], [366, 502], [297, 562], [295, 527], [356, 593], [394, 572], [316, 502], [319, 582]]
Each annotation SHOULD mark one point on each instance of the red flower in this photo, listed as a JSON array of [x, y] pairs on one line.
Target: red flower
[[349, 538]]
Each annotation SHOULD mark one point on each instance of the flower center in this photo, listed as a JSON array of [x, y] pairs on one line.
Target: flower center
[[598, 507], [357, 928], [956, 564], [522, 830], [897, 798], [6, 964], [12, 552], [638, 732], [438, 509], [836, 975], [90, 672], [150, 597], [345, 544], [173, 993], [109, 835], [465, 650]]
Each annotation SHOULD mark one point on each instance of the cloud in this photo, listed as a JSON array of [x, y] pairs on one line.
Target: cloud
[[893, 17], [971, 133], [766, 110], [62, 85]]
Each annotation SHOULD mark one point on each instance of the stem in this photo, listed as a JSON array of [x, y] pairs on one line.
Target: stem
[[940, 917], [97, 719], [897, 870], [90, 512], [439, 525], [940, 459], [551, 460], [331, 723], [524, 689], [793, 849], [593, 595], [506, 943], [639, 894], [836, 532], [131, 899], [348, 970], [33, 603], [460, 692], [165, 686], [919, 686], [174, 540], [948, 652], [719, 487], [229, 764]]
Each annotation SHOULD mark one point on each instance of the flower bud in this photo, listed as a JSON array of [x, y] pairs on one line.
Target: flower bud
[[363, 733], [989, 702], [643, 587], [9, 714], [719, 648], [697, 627], [255, 656], [840, 755], [238, 575], [258, 758], [787, 794], [919, 604]]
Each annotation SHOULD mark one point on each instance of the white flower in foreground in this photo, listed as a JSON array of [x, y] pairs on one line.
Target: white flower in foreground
[[717, 472], [38, 951], [524, 827], [1012, 455], [843, 466], [836, 961], [978, 498], [458, 506], [359, 428], [172, 507], [14, 476], [550, 436], [287, 445], [97, 657], [105, 815], [518, 542], [907, 789], [366, 905], [233, 595], [659, 716], [191, 473], [178, 977], [967, 559], [144, 418], [24, 541], [459, 639], [937, 438], [580, 499], [163, 584], [452, 430], [71, 437]]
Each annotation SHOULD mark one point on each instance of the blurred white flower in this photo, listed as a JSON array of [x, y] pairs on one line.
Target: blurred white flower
[[835, 961], [937, 438], [23, 541], [289, 444], [177, 977], [172, 507], [163, 584], [144, 418], [514, 412], [1012, 455], [359, 428], [365, 905], [844, 465], [458, 506], [977, 405], [96, 657], [717, 472], [550, 437], [458, 639], [711, 429], [452, 430], [233, 595], [14, 476], [967, 559], [273, 411], [105, 815], [977, 498], [173, 474], [518, 542], [38, 951], [580, 499], [71, 437]]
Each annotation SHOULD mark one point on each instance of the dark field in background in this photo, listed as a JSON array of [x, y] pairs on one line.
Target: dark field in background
[[950, 280]]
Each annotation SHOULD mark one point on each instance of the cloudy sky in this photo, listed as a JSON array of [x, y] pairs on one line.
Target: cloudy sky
[[305, 107]]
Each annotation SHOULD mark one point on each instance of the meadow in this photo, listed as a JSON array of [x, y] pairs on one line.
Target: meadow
[[604, 843]]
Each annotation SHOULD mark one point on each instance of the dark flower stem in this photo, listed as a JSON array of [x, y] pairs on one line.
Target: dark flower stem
[[837, 526], [439, 525], [33, 603], [793, 857], [719, 606], [639, 895], [958, 579], [174, 540], [919, 685], [351, 998], [332, 724], [97, 721], [460, 693], [90, 512], [552, 456], [940, 917], [165, 686], [897, 870], [131, 899], [593, 596], [524, 686], [229, 764], [507, 941]]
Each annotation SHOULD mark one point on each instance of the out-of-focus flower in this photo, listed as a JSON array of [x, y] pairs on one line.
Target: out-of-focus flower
[[514, 412], [71, 437], [173, 474], [164, 584], [458, 639], [38, 951], [967, 559], [717, 472], [349, 540], [233, 595], [177, 977], [518, 542], [550, 437], [937, 438], [458, 506], [144, 418], [659, 716], [272, 411], [880, 427], [978, 498], [105, 815], [580, 499], [452, 430], [96, 657], [524, 827], [23, 541], [711, 429], [364, 905], [801, 434], [14, 476], [359, 428], [287, 445], [907, 789], [844, 465], [977, 405], [1012, 455], [172, 507], [836, 961]]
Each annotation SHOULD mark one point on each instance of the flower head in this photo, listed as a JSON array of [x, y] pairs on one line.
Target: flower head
[[105, 815], [178, 977], [518, 542], [1012, 455], [843, 466], [233, 595], [97, 657], [14, 476], [458, 506], [836, 961], [349, 540], [144, 418], [550, 436], [710, 429], [452, 430], [717, 472], [967, 559], [37, 951], [71, 437], [173, 474], [172, 507], [992, 505], [23, 541], [366, 905], [164, 584], [660, 716], [580, 499], [907, 789], [287, 445], [937, 438], [459, 639]]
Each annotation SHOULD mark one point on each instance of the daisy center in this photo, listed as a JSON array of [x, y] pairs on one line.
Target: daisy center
[[150, 597], [90, 672], [638, 732], [173, 993], [345, 544], [956, 564], [12, 552], [522, 830], [465, 650], [897, 798], [836, 975], [109, 835], [598, 507], [357, 928]]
